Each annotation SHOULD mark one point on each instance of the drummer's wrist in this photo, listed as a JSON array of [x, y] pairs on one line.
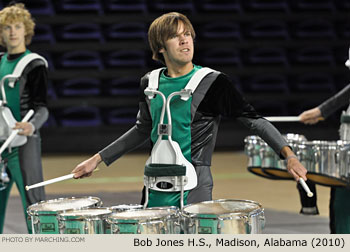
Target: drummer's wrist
[[287, 151], [291, 157], [97, 157]]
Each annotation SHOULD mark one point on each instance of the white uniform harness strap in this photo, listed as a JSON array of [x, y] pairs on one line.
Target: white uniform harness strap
[[23, 63], [17, 72], [196, 79], [153, 80]]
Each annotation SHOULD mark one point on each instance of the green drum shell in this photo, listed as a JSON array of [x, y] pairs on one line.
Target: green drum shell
[[155, 220], [43, 216], [84, 221], [223, 217]]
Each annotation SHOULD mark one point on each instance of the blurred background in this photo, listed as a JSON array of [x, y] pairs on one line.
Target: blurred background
[[284, 55]]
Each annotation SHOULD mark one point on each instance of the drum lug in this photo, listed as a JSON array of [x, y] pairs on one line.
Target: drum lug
[[247, 220], [218, 228], [316, 160], [138, 231], [189, 225], [86, 226], [36, 220], [163, 227], [336, 157], [115, 229], [262, 219], [177, 227], [61, 225], [35, 224]]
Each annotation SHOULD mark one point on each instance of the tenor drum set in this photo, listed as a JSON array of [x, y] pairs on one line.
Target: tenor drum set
[[86, 215], [327, 162]]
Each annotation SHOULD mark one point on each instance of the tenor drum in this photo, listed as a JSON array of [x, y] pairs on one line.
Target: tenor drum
[[84, 221], [253, 146], [223, 217], [155, 220], [271, 162], [43, 215], [327, 162]]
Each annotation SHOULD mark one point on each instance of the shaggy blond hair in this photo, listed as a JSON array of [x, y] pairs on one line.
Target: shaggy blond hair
[[163, 28], [17, 13]]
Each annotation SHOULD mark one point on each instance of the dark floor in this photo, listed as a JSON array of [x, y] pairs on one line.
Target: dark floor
[[277, 222]]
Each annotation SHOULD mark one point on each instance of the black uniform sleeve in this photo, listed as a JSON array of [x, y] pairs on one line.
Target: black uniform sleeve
[[34, 94], [335, 102], [224, 99], [37, 83]]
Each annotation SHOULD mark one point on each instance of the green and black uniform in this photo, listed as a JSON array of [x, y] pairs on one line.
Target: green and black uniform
[[215, 96], [24, 162]]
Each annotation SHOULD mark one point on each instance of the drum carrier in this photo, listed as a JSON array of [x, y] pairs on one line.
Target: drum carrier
[[167, 170]]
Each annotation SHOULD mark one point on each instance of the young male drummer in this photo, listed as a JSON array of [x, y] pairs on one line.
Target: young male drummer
[[195, 121], [339, 208], [24, 162]]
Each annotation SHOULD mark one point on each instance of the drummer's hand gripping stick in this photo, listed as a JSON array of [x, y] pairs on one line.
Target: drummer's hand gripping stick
[[15, 132], [4, 176]]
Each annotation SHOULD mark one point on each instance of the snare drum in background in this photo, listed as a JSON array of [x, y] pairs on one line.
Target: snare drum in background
[[223, 217], [327, 162], [43, 215], [84, 221], [252, 148], [155, 220], [272, 164]]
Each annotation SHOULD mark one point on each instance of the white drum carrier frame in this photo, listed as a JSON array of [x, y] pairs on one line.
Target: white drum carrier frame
[[167, 170]]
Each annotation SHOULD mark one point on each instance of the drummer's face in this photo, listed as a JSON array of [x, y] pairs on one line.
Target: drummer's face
[[13, 36], [179, 48]]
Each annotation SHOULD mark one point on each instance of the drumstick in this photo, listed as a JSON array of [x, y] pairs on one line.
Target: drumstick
[[50, 181], [306, 188], [14, 132], [54, 180], [287, 118], [283, 118]]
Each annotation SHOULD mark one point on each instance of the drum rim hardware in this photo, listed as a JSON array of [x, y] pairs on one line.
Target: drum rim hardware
[[224, 216], [36, 212]]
